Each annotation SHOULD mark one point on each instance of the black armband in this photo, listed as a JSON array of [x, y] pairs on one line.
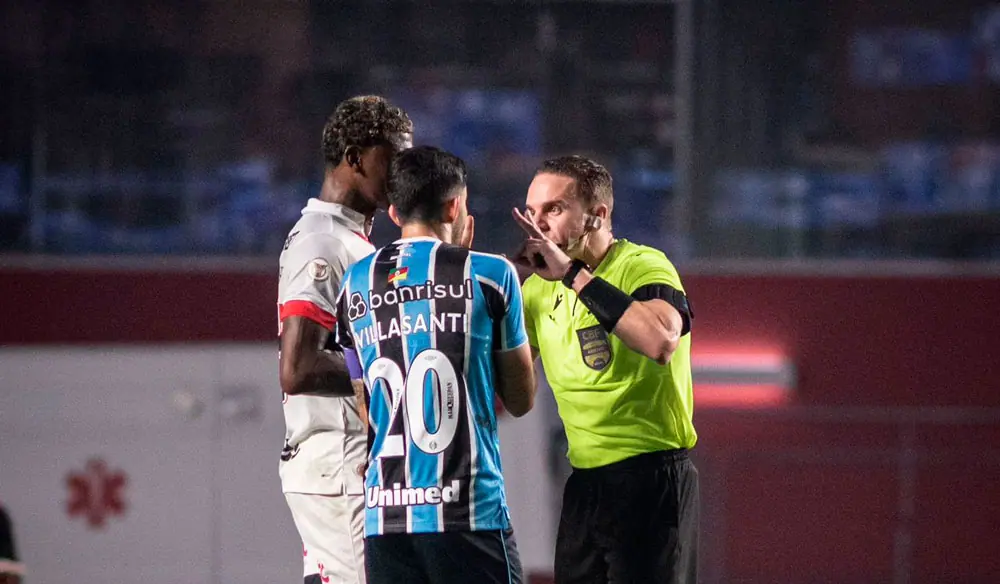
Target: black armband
[[605, 302], [671, 296]]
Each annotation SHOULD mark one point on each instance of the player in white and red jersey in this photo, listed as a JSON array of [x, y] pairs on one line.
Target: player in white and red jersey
[[325, 439]]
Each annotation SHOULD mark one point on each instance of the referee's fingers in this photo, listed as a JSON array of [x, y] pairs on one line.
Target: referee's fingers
[[528, 255], [521, 255], [535, 245], [527, 225]]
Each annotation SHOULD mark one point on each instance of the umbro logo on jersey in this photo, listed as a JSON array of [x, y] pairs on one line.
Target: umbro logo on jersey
[[558, 302], [403, 251], [357, 307]]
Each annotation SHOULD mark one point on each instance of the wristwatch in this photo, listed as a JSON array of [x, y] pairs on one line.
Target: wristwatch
[[574, 268]]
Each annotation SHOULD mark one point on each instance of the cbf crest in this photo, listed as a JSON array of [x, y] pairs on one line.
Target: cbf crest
[[595, 347]]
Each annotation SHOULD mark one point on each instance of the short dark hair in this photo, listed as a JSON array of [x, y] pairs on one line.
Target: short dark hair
[[593, 181], [363, 121], [422, 179]]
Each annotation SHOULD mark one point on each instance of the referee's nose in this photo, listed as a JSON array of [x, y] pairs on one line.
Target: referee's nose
[[542, 224]]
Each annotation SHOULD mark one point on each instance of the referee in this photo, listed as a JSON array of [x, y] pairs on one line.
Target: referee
[[610, 320]]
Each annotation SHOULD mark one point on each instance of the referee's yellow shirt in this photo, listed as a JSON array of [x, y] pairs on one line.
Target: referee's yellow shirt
[[614, 402]]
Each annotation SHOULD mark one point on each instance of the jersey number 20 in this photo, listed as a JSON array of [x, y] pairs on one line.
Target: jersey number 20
[[410, 387]]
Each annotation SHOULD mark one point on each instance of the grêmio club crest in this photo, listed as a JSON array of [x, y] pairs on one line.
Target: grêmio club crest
[[595, 347]]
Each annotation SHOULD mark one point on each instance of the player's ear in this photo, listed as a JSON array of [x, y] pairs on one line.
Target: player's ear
[[450, 211], [602, 212], [394, 215], [352, 156]]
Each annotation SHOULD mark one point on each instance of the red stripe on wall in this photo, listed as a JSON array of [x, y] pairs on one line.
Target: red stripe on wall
[[135, 307], [867, 340]]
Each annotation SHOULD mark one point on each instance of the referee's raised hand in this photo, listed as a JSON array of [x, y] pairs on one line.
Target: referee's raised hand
[[538, 253]]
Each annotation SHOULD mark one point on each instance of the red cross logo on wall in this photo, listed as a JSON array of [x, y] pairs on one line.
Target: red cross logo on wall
[[95, 493]]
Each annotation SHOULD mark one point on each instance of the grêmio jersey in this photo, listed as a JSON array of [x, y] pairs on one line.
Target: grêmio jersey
[[426, 318], [324, 435], [614, 402]]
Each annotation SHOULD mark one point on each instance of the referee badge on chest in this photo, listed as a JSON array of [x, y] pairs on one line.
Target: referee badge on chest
[[595, 347]]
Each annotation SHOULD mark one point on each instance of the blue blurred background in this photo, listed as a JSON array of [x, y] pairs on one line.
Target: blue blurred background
[[822, 129]]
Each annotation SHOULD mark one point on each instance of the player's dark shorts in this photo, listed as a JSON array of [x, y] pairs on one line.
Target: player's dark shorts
[[487, 557], [630, 522]]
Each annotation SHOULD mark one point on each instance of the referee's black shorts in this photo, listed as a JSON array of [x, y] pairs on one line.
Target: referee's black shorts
[[630, 522], [452, 557]]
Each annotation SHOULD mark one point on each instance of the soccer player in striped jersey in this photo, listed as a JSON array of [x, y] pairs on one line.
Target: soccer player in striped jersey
[[439, 331], [324, 434]]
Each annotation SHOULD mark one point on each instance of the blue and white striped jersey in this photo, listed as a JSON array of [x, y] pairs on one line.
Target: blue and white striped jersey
[[426, 318]]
